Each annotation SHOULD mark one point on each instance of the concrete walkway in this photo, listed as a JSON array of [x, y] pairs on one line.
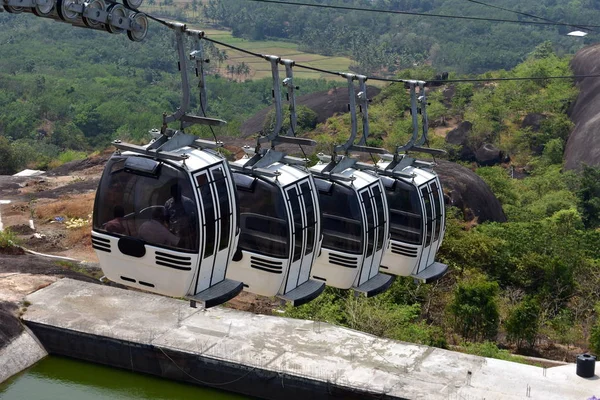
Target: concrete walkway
[[318, 352]]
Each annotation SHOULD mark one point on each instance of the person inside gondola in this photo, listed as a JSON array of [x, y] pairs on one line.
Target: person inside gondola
[[180, 212], [155, 231], [116, 225]]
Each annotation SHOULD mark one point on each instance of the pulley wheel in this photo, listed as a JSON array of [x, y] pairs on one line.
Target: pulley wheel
[[116, 13], [135, 4], [14, 9], [141, 20], [44, 10], [62, 7], [94, 6]]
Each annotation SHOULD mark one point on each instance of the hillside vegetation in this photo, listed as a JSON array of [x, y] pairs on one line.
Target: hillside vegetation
[[531, 284], [380, 42]]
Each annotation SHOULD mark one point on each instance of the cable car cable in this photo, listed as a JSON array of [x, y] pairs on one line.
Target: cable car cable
[[524, 14], [394, 80], [377, 10]]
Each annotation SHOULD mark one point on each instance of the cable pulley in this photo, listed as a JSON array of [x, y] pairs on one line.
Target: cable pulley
[[94, 14]]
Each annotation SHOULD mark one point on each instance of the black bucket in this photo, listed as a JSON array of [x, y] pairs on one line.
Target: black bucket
[[586, 365]]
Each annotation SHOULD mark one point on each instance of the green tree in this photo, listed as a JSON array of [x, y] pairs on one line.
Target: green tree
[[7, 166], [589, 196], [475, 309], [595, 333], [523, 323]]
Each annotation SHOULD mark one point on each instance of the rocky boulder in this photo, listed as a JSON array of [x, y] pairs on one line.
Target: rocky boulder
[[488, 155], [460, 137], [466, 190], [533, 121], [583, 145]]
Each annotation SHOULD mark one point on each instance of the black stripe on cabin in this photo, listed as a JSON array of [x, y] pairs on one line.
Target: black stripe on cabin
[[158, 253], [146, 284], [265, 269], [173, 266], [128, 279], [101, 248], [165, 259]]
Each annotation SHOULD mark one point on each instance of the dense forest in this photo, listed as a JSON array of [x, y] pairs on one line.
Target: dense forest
[[58, 96], [384, 43], [531, 284]]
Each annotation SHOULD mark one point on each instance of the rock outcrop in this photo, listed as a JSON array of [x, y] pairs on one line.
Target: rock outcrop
[[583, 145], [466, 190], [460, 137]]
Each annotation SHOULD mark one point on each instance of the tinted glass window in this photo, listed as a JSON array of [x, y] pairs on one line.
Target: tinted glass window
[[208, 208], [428, 215], [366, 199], [298, 228], [159, 209], [263, 219], [342, 219], [405, 213], [438, 207], [225, 209], [378, 199], [311, 220]]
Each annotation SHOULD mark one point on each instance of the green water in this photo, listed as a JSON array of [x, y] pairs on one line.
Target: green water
[[57, 378]]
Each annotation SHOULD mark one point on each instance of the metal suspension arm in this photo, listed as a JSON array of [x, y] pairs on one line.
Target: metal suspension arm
[[425, 121], [288, 82], [185, 99], [198, 56], [364, 105], [415, 119], [274, 60], [352, 97]]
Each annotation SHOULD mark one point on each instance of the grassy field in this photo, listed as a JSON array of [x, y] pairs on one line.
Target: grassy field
[[258, 68]]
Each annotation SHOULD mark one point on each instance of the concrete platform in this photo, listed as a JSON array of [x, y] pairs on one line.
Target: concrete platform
[[273, 357]]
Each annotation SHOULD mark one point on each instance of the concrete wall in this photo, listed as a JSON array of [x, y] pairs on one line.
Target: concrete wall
[[190, 367], [21, 353]]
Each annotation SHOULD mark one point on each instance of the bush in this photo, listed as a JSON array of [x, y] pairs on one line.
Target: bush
[[475, 309], [523, 323]]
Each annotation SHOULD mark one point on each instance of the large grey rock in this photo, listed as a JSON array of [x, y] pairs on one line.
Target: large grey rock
[[464, 189], [460, 137], [583, 145], [533, 121], [488, 155]]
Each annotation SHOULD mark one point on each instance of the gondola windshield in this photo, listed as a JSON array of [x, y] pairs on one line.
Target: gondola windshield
[[342, 227], [148, 200], [263, 218], [405, 213]]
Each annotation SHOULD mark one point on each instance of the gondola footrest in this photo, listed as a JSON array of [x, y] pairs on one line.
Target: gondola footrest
[[377, 284], [219, 293], [432, 273], [304, 293]]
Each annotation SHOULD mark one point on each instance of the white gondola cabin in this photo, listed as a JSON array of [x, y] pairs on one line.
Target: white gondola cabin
[[355, 214], [279, 217], [417, 221], [165, 215], [415, 199], [166, 222]]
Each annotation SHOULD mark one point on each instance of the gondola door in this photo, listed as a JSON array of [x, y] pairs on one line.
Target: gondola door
[[218, 224], [372, 202], [302, 207], [432, 227]]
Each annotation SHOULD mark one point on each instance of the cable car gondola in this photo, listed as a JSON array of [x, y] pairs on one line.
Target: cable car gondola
[[415, 199], [165, 214], [354, 211], [279, 215]]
